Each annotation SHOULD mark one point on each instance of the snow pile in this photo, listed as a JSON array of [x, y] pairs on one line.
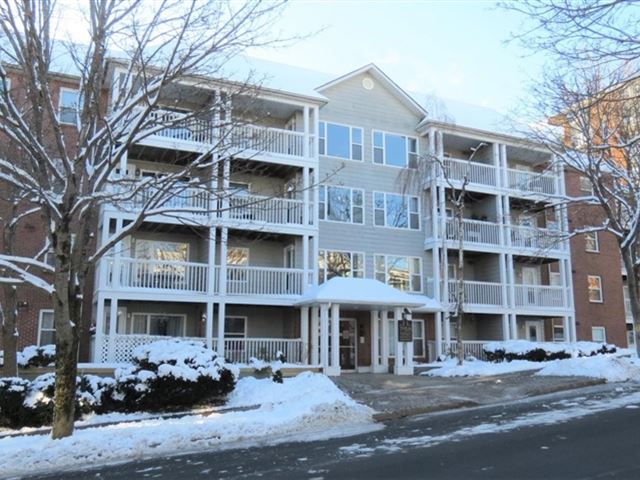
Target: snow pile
[[520, 347], [308, 405], [610, 368], [34, 356], [477, 368]]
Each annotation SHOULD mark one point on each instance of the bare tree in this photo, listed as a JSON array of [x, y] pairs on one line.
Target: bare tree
[[70, 176]]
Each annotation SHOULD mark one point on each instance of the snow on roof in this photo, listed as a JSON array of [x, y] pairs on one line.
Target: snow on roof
[[359, 291]]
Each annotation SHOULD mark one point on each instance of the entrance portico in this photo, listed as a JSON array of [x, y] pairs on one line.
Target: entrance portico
[[323, 305]]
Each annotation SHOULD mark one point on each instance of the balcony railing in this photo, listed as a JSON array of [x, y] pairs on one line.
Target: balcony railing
[[538, 239], [539, 296], [270, 140], [474, 172], [264, 281], [184, 127], [154, 275], [477, 293], [190, 200], [242, 350], [473, 348], [262, 209], [531, 182], [475, 231]]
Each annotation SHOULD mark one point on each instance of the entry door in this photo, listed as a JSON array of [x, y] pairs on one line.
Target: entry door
[[534, 330], [348, 351]]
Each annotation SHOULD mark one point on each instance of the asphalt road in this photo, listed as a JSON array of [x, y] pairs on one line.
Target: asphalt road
[[587, 434]]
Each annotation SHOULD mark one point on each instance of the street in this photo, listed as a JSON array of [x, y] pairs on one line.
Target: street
[[589, 433]]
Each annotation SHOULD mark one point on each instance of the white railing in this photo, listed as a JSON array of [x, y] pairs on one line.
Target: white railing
[[475, 231], [477, 293], [241, 350], [183, 126], [531, 182], [264, 281], [473, 348], [539, 239], [474, 172], [119, 348], [259, 208], [539, 296], [178, 198], [158, 275], [270, 140]]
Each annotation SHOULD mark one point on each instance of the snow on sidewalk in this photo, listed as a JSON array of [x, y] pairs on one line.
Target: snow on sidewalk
[[308, 404]]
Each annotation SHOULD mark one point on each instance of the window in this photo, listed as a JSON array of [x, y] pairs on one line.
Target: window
[[340, 264], [396, 211], [341, 204], [68, 106], [239, 188], [237, 277], [591, 242], [340, 141], [238, 256], [594, 283], [394, 150], [46, 328], [558, 333], [235, 327], [7, 82], [158, 324], [403, 273], [161, 250], [418, 338], [586, 186], [599, 334]]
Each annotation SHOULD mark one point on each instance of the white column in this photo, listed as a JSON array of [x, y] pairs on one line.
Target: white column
[[208, 326], [304, 333], [447, 328], [384, 319], [211, 263], [306, 185], [116, 275], [375, 341], [113, 321], [305, 262], [505, 326], [437, 317], [307, 138], [123, 164], [222, 286], [324, 337], [97, 346], [514, 326], [222, 310], [335, 340], [315, 337], [566, 327], [402, 364]]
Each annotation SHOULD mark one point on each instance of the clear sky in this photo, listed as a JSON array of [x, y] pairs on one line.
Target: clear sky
[[455, 49]]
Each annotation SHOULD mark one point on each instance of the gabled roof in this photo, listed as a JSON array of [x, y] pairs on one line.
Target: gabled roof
[[373, 70]]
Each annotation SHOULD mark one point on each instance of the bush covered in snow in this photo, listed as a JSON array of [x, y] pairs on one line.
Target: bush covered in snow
[[164, 376], [34, 356], [543, 351]]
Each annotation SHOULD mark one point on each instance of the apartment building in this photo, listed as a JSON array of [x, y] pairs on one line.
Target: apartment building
[[338, 225]]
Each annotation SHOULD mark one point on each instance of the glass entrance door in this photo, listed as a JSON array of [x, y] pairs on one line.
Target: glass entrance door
[[348, 352]]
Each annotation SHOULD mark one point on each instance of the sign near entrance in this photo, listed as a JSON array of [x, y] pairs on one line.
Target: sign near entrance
[[405, 331]]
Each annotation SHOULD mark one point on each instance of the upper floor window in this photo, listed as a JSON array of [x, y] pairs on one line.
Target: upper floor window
[[235, 327], [333, 263], [591, 242], [403, 273], [161, 250], [396, 211], [68, 106], [394, 150], [341, 204], [238, 256], [586, 186], [46, 328], [594, 283], [341, 141]]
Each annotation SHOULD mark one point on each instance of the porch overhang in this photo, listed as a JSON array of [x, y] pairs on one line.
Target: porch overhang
[[360, 293]]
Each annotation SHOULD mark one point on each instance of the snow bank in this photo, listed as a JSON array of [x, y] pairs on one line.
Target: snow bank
[[610, 368], [477, 368], [521, 347], [309, 404]]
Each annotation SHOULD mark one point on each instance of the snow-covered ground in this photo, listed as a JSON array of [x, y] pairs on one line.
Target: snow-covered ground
[[307, 406], [611, 368]]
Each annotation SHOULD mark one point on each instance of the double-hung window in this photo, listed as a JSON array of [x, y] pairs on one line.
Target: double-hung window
[[591, 242], [332, 263], [163, 324], [396, 211], [46, 328], [68, 106], [341, 141], [418, 338], [235, 327], [341, 204], [594, 284], [403, 273], [395, 150], [598, 334]]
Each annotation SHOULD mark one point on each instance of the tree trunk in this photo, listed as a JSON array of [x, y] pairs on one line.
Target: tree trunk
[[9, 332], [460, 285]]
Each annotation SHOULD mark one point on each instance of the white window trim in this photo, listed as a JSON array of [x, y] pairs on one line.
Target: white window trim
[[349, 252], [40, 315], [600, 289], [582, 183], [386, 269], [408, 197], [154, 240], [243, 317], [351, 128], [246, 249], [604, 333], [424, 349], [384, 147], [597, 239], [326, 205], [66, 89], [553, 333], [182, 316]]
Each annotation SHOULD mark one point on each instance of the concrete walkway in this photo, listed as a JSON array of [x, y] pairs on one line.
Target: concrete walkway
[[395, 396]]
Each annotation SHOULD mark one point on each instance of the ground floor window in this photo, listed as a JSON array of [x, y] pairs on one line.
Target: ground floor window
[[631, 335], [46, 328], [558, 332], [598, 334], [235, 327], [157, 324], [418, 338]]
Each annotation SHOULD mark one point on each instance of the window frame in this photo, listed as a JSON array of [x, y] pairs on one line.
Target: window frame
[[323, 146], [408, 152], [7, 82], [555, 327], [148, 315], [600, 290], [586, 242], [244, 328], [137, 240], [601, 329], [385, 210], [322, 216], [323, 252], [582, 185], [386, 270], [40, 329], [77, 111], [393, 342]]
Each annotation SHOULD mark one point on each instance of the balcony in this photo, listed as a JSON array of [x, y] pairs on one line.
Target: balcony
[[478, 294], [522, 181], [539, 297], [475, 173], [476, 232], [264, 281], [263, 210], [255, 139], [536, 240]]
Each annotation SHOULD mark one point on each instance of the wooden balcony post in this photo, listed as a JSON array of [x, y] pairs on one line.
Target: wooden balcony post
[[324, 336], [505, 326], [335, 340], [314, 335], [97, 346], [307, 138], [384, 320], [208, 326], [438, 332], [113, 321], [304, 333]]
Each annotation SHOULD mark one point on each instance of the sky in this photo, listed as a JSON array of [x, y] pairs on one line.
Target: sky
[[454, 49]]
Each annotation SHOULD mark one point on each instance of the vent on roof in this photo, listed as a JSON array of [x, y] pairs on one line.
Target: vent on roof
[[367, 83]]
